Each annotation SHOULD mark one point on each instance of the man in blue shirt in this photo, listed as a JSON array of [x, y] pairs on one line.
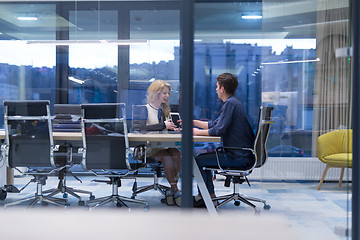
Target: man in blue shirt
[[234, 129]]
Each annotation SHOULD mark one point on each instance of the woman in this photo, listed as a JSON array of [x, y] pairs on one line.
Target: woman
[[157, 113]]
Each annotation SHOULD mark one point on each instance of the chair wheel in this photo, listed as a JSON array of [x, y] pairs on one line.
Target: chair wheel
[[65, 195], [81, 203], [119, 205], [133, 197], [237, 203], [146, 207], [163, 200], [267, 206], [3, 194], [45, 204], [92, 197]]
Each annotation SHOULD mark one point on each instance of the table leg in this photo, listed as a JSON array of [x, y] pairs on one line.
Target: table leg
[[203, 190]]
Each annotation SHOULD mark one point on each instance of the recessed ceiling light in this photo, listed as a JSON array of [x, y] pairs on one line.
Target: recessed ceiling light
[[27, 18], [251, 17]]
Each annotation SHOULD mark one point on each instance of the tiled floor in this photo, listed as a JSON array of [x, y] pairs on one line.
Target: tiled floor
[[310, 214]]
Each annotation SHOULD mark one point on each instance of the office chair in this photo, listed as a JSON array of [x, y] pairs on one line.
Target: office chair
[[335, 150], [238, 176], [67, 119], [29, 143], [138, 123], [106, 149]]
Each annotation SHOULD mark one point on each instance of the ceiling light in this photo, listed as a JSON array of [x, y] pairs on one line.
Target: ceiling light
[[251, 17], [86, 42], [296, 61], [76, 80], [27, 18]]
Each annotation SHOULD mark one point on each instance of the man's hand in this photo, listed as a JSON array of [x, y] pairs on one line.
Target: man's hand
[[195, 131], [200, 132]]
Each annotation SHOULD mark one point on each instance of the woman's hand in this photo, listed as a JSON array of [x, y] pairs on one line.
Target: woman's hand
[[170, 125]]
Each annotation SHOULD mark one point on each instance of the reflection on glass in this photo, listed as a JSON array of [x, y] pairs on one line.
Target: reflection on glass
[[93, 74], [26, 72], [159, 60]]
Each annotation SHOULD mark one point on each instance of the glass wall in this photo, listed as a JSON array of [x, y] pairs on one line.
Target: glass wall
[[71, 51], [287, 54], [27, 71], [274, 67]]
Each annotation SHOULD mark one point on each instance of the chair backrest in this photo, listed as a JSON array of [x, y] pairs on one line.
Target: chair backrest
[[105, 140], [262, 134], [138, 117], [333, 142], [28, 134]]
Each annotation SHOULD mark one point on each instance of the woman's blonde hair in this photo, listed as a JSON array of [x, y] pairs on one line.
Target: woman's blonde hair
[[153, 93]]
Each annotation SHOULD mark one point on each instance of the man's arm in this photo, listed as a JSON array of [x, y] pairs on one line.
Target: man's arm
[[200, 132], [201, 124]]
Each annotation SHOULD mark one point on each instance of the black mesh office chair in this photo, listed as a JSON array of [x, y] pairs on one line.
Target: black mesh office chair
[[67, 119], [138, 123], [106, 149], [238, 176], [29, 143]]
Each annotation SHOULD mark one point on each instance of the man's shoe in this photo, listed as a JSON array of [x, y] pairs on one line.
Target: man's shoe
[[199, 203]]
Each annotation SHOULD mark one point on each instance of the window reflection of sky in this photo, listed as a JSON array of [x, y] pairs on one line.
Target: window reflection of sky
[[95, 56]]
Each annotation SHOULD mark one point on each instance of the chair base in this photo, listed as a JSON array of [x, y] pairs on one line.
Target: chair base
[[325, 172], [115, 197], [237, 198], [119, 200], [65, 190], [39, 197], [156, 186], [44, 200]]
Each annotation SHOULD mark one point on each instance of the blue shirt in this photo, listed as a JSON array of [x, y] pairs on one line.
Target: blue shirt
[[234, 128]]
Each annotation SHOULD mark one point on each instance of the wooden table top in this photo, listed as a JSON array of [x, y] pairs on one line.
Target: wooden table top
[[152, 137]]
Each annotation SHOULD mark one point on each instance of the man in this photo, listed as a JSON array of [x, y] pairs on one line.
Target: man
[[234, 129]]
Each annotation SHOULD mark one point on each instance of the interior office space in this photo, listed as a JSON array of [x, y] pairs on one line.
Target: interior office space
[[288, 54]]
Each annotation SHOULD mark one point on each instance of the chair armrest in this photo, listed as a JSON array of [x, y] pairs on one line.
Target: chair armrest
[[218, 149], [221, 149]]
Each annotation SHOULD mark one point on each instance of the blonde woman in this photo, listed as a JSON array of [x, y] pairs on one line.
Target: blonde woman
[[157, 113]]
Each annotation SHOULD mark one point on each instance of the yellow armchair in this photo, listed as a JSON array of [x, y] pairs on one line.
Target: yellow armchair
[[335, 150]]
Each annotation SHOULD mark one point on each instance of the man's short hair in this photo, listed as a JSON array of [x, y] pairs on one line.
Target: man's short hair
[[229, 82]]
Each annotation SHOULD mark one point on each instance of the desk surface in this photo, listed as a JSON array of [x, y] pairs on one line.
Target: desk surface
[[153, 137]]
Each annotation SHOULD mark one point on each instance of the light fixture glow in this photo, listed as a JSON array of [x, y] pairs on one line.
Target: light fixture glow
[[251, 17], [82, 42], [25, 18], [287, 62], [76, 80]]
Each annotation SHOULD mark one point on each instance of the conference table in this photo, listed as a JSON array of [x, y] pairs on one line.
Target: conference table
[[154, 140]]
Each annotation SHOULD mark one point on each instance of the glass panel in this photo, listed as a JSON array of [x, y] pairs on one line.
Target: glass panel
[[93, 68], [290, 55], [157, 60], [27, 71]]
